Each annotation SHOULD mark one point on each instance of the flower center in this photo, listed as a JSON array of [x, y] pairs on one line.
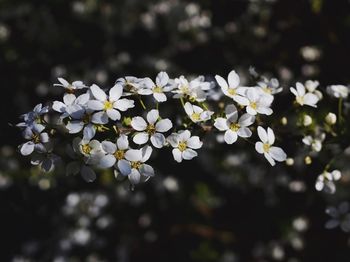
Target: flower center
[[300, 100], [182, 146], [196, 116], [232, 91], [70, 89], [36, 138], [86, 118], [253, 105], [151, 129], [184, 89], [234, 127], [86, 149], [158, 89], [267, 90], [136, 164], [107, 105], [266, 147], [119, 154]]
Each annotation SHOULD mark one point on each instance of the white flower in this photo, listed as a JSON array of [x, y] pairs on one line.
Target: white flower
[[340, 216], [258, 102], [33, 117], [129, 83], [265, 147], [232, 88], [325, 181], [303, 98], [107, 106], [73, 108], [70, 88], [311, 86], [116, 155], [139, 170], [152, 130], [196, 113], [194, 89], [315, 143], [37, 138], [307, 120], [270, 87], [232, 127], [183, 144], [331, 118], [158, 88], [91, 150], [338, 91]]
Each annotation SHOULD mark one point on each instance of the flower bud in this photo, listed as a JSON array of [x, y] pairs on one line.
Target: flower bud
[[307, 120], [284, 121], [308, 160], [331, 118], [289, 161]]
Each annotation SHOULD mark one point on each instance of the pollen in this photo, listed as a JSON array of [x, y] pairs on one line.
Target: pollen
[[158, 89], [253, 105], [36, 138], [267, 90], [234, 127], [136, 164], [119, 154], [182, 146], [196, 116], [232, 91], [107, 105], [86, 149], [266, 147], [151, 129]]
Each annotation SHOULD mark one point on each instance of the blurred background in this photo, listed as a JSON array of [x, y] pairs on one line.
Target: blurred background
[[226, 205]]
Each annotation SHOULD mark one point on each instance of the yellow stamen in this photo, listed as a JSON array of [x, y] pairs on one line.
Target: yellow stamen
[[86, 148], [232, 91], [182, 146], [266, 147], [136, 164], [107, 105], [300, 100], [36, 138], [253, 105], [119, 154], [196, 116], [151, 129], [158, 89], [234, 127]]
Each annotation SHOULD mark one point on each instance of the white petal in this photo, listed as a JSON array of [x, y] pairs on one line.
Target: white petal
[[270, 136], [89, 132], [146, 152], [44, 137], [123, 104], [147, 170], [177, 155], [164, 125], [251, 111], [63, 81], [194, 142], [124, 167], [107, 161], [158, 140], [88, 174], [221, 81], [95, 105], [262, 134], [68, 99], [188, 154], [100, 118], [27, 148], [300, 89], [98, 93], [230, 110], [152, 116], [113, 114], [140, 138], [133, 155], [243, 101], [145, 91], [76, 111], [184, 135], [259, 147], [82, 99], [246, 120], [310, 99], [116, 92], [138, 123], [59, 106], [294, 91], [75, 126], [123, 142], [233, 79], [221, 124], [134, 176], [277, 154], [109, 147], [162, 79], [160, 97], [230, 136], [270, 159], [188, 109], [244, 132]]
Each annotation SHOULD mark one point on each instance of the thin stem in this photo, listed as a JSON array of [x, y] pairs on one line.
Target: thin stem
[[142, 103]]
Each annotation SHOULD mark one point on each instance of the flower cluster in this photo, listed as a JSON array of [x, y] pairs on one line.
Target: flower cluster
[[119, 128]]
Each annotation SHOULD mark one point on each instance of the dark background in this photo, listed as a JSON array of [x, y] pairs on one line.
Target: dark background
[[220, 212]]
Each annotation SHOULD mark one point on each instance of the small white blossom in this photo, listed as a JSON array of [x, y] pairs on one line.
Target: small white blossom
[[311, 86], [91, 150], [325, 181], [258, 103], [232, 88], [265, 147], [184, 145], [270, 87], [331, 118], [70, 89], [338, 91], [33, 117], [315, 143], [152, 130], [136, 163], [194, 89], [302, 97], [340, 216], [108, 106], [130, 84], [37, 138], [158, 88], [196, 113], [232, 127]]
